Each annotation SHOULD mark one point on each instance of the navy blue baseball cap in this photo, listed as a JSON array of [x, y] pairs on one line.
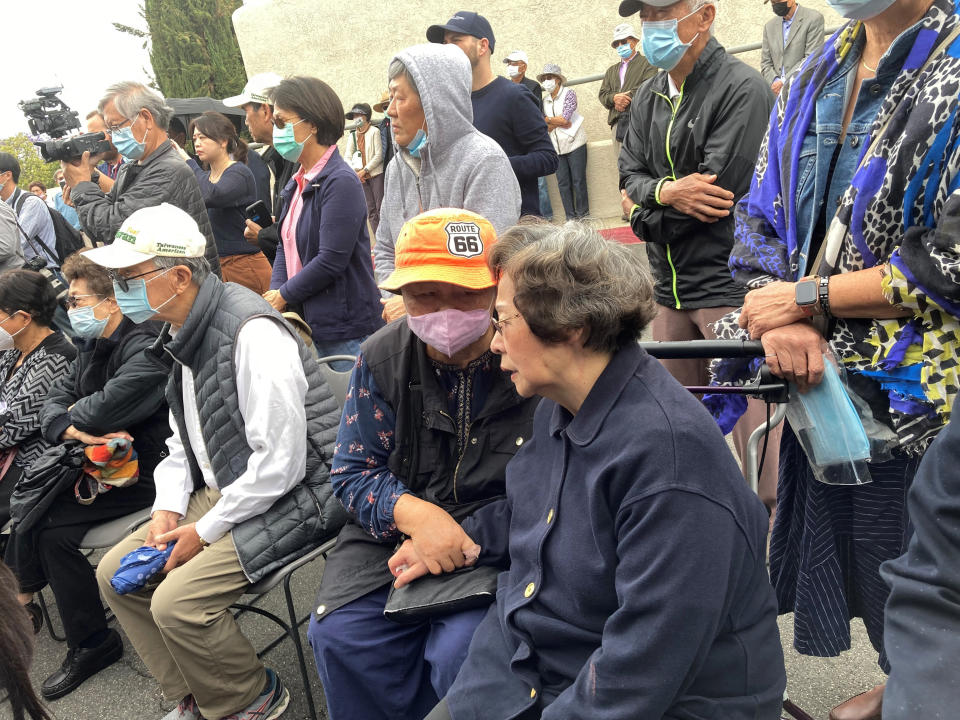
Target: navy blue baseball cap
[[466, 23]]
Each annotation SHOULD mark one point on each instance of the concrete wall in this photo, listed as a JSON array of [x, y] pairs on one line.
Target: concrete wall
[[349, 44]]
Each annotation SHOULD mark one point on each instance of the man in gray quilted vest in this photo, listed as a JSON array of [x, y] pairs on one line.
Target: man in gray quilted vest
[[245, 488]]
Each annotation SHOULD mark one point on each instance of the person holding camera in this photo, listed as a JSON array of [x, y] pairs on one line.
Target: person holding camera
[[228, 187], [137, 119]]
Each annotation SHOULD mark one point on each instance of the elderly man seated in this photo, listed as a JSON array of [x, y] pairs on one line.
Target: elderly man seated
[[429, 424], [244, 489]]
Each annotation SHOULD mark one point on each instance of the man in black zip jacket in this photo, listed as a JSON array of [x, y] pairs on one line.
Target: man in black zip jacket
[[687, 158]]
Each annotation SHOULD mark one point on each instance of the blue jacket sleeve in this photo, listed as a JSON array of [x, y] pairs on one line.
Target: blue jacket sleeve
[[530, 129], [489, 527], [676, 552], [343, 211], [360, 477]]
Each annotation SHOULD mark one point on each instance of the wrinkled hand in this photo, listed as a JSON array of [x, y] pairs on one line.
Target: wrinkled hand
[[776, 86], [188, 545], [363, 175], [77, 170], [795, 353], [71, 433], [65, 194], [770, 307], [275, 299], [251, 231], [406, 565], [163, 522], [621, 101], [626, 204], [393, 309], [438, 540], [180, 151], [698, 196]]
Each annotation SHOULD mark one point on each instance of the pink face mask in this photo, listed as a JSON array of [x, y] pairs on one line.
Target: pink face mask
[[450, 331]]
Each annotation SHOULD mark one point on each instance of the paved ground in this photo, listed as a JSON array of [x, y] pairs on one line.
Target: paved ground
[[125, 691]]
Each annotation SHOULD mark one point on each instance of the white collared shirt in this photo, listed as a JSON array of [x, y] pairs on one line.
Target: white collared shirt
[[271, 391]]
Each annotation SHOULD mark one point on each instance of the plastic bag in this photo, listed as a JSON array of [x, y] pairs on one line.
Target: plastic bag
[[830, 430]]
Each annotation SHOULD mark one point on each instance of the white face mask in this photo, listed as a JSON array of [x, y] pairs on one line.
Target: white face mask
[[6, 339], [550, 85], [513, 71]]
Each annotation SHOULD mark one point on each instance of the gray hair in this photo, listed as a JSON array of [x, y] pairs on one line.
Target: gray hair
[[570, 278], [131, 97], [396, 69], [199, 267]]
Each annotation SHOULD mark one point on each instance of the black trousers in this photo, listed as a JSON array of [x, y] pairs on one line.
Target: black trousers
[[49, 554]]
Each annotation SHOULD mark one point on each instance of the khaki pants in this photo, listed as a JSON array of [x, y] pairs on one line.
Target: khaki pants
[[252, 271], [616, 146], [672, 324], [182, 626]]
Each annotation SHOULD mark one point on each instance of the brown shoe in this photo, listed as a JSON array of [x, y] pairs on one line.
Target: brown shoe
[[865, 706]]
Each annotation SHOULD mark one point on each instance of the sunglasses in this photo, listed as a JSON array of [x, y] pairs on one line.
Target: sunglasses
[[124, 282]]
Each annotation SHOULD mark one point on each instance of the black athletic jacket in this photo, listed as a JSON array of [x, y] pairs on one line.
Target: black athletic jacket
[[715, 126]]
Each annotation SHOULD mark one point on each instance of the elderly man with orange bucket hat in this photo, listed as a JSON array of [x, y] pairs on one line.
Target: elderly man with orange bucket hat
[[428, 426]]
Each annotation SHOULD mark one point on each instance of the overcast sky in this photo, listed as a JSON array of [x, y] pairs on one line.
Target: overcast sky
[[70, 43]]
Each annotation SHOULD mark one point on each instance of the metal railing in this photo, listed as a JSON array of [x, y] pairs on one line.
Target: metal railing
[[735, 50]]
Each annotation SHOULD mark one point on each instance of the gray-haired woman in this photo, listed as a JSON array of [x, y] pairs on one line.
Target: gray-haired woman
[[636, 585]]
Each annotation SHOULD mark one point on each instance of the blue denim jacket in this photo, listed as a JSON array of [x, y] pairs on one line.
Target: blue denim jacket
[[824, 134]]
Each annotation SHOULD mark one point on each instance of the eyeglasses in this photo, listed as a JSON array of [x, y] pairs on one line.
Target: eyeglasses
[[124, 282], [281, 123], [498, 325], [618, 43], [113, 128], [72, 299]]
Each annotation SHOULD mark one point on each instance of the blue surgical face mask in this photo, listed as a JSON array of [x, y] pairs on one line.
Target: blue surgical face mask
[[415, 146], [127, 145], [134, 302], [85, 323], [661, 44], [860, 9], [624, 51], [286, 144]]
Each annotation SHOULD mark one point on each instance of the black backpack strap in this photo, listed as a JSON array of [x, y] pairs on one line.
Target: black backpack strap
[[17, 206]]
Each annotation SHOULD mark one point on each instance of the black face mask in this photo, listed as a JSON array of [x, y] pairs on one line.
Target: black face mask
[[780, 9]]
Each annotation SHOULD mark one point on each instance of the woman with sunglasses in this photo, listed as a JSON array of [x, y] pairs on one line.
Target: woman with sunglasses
[[228, 187], [32, 357], [114, 389], [323, 266]]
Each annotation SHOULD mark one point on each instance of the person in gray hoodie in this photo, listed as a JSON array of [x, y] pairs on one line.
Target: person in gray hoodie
[[441, 160]]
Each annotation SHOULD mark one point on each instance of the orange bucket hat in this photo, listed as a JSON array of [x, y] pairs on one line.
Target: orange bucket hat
[[443, 245]]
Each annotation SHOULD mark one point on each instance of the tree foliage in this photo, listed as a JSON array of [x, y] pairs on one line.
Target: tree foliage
[[193, 49], [32, 166]]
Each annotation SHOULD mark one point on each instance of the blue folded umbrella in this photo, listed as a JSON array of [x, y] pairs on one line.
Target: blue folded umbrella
[[139, 566]]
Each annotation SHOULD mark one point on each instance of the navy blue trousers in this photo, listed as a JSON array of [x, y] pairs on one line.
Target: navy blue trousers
[[374, 668]]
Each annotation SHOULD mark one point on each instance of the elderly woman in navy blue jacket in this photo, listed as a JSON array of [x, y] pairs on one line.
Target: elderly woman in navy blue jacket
[[636, 585], [323, 267]]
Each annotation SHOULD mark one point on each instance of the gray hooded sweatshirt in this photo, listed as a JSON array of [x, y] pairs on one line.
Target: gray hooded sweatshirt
[[460, 168]]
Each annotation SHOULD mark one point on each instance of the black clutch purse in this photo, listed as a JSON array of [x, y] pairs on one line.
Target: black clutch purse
[[433, 595]]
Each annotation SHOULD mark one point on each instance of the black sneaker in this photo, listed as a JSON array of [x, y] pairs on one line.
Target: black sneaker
[[80, 664]]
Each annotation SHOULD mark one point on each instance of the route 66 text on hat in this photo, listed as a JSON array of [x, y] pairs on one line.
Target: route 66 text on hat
[[443, 245]]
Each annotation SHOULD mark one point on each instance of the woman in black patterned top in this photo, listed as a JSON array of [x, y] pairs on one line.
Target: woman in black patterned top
[[32, 357]]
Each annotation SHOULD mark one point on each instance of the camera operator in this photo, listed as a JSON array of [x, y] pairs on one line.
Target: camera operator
[[137, 119], [110, 162], [34, 217]]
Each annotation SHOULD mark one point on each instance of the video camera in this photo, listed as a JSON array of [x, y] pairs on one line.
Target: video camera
[[48, 115]]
